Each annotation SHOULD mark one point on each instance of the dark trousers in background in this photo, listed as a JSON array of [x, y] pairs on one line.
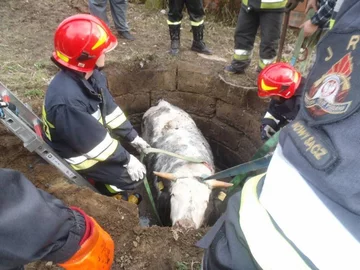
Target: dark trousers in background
[[118, 11], [270, 27], [194, 7]]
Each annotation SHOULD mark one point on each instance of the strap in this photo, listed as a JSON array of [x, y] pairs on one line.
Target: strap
[[160, 151], [300, 39], [264, 150], [148, 190], [244, 168]]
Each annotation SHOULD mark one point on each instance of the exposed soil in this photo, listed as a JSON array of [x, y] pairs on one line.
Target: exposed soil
[[26, 30]]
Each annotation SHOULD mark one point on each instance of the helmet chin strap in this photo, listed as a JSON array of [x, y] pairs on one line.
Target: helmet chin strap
[[99, 68]]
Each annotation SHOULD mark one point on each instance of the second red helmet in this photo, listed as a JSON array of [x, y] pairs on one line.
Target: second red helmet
[[278, 79]]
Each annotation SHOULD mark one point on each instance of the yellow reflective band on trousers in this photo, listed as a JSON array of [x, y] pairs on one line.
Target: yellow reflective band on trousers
[[173, 23], [115, 119], [196, 23], [86, 161], [112, 189], [266, 4], [269, 248], [46, 124], [331, 23], [241, 57]]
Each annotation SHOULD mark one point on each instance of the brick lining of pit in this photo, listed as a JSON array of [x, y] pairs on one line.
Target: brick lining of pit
[[228, 116]]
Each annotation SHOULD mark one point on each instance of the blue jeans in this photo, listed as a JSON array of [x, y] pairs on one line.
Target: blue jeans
[[118, 12]]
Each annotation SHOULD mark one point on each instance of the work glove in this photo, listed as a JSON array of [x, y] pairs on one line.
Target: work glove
[[292, 4], [140, 144], [266, 132], [2, 105], [135, 169]]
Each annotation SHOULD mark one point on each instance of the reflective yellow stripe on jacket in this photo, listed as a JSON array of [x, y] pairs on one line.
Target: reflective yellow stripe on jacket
[[99, 153], [268, 246]]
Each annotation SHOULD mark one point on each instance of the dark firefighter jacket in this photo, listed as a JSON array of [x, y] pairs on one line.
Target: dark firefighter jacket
[[34, 225], [305, 214], [79, 115], [282, 112]]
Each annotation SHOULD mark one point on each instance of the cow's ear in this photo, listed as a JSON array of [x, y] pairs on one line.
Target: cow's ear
[[217, 184]]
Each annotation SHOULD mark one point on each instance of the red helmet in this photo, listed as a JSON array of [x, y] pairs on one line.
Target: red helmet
[[80, 40], [278, 79]]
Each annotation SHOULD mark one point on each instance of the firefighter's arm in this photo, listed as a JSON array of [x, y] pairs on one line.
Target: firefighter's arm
[[34, 225], [270, 123], [87, 136], [116, 119], [120, 126], [269, 126]]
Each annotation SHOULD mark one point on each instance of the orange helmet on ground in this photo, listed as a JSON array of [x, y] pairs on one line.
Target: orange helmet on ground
[[80, 40], [278, 79]]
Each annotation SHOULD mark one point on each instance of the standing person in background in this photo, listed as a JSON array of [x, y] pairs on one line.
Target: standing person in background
[[118, 12], [253, 14], [196, 13]]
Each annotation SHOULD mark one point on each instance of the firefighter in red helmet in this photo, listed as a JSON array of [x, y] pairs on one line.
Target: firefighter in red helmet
[[282, 84], [82, 122]]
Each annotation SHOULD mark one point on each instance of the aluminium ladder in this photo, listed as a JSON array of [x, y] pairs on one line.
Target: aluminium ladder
[[27, 127]]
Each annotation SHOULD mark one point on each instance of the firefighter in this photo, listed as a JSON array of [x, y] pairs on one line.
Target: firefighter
[[82, 123], [196, 13], [253, 14], [283, 85], [34, 226], [304, 213]]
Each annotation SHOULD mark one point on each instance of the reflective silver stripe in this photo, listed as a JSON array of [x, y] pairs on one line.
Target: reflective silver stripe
[[271, 1], [267, 61], [242, 52], [115, 119], [269, 248], [97, 114], [96, 151], [116, 113], [270, 116]]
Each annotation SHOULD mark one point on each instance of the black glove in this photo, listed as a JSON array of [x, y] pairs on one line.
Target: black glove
[[292, 4], [266, 132]]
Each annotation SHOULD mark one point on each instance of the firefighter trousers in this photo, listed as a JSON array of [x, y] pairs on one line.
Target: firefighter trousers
[[195, 9], [246, 28]]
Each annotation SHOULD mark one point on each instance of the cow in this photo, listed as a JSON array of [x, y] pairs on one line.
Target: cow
[[184, 199]]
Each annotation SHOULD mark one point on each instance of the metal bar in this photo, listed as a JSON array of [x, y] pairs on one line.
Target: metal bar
[[26, 127], [283, 36]]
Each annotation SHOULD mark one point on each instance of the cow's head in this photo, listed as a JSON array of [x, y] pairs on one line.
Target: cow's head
[[189, 198]]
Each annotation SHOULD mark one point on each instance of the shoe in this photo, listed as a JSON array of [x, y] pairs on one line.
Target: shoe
[[231, 70], [198, 44], [126, 35], [174, 31]]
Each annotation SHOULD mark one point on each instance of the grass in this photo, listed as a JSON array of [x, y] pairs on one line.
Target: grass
[[188, 266], [34, 93]]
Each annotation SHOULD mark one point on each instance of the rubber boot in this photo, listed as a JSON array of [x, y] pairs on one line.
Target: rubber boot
[[198, 44], [175, 39], [237, 67]]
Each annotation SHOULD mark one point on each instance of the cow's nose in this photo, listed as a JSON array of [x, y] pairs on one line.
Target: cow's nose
[[185, 223]]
